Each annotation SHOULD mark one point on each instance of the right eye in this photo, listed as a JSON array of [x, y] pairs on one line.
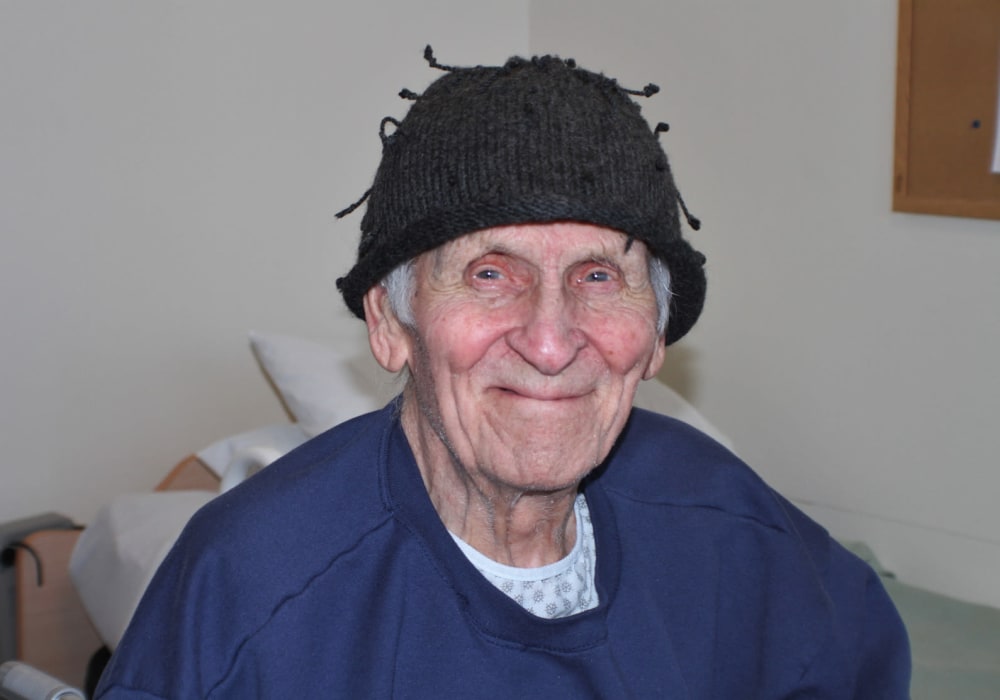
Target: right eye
[[496, 275]]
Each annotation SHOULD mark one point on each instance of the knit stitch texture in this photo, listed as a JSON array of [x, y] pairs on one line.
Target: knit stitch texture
[[532, 141]]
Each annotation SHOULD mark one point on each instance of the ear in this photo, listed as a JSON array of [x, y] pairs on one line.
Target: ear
[[656, 359], [389, 340]]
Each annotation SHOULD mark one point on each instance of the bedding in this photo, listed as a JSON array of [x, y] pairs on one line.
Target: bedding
[[955, 645], [118, 553], [319, 385]]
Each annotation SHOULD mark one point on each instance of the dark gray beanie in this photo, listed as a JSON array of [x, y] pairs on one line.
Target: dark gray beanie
[[533, 141]]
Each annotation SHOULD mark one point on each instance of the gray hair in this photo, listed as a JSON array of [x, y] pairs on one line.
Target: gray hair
[[399, 285]]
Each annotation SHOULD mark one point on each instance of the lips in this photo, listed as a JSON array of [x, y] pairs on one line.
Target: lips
[[542, 393]]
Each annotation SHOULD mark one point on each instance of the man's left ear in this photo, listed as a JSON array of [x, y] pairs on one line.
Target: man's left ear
[[656, 359], [389, 340]]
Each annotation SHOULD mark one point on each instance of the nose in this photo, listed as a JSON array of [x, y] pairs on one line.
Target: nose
[[548, 337]]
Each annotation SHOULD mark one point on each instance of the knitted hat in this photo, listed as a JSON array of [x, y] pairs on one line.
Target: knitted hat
[[533, 141]]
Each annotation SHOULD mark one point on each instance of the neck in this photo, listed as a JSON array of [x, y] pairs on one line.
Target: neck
[[510, 525]]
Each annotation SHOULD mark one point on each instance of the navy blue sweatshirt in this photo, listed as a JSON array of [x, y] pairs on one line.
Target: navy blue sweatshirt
[[329, 574]]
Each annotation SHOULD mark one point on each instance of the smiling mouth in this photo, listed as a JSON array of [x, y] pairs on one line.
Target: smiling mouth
[[542, 394]]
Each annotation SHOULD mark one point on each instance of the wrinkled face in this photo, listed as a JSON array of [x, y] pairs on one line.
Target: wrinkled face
[[527, 347]]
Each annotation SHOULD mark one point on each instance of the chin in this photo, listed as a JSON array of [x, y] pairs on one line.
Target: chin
[[547, 470]]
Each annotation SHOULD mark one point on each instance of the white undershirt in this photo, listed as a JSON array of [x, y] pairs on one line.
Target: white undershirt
[[560, 589]]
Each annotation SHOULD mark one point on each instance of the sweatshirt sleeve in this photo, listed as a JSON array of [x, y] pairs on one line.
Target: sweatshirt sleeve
[[884, 663], [868, 651]]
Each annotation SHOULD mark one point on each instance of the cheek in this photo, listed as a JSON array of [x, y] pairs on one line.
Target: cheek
[[461, 339], [624, 340]]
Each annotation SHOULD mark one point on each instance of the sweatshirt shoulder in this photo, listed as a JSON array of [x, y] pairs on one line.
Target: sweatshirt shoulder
[[661, 460], [329, 488]]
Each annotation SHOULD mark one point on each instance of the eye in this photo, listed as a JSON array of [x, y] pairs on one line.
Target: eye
[[597, 276], [488, 273], [596, 272], [495, 275]]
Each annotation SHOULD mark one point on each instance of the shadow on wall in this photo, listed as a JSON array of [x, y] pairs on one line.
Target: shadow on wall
[[680, 371]]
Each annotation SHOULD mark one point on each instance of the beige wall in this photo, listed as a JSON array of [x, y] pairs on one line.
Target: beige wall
[[169, 173], [850, 352]]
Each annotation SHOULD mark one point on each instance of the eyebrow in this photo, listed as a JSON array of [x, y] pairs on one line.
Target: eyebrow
[[604, 260], [495, 249], [604, 253]]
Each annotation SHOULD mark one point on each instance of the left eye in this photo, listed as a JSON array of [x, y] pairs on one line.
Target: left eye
[[597, 276], [488, 274]]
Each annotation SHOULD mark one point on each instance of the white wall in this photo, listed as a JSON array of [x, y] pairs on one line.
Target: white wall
[[169, 172], [850, 352]]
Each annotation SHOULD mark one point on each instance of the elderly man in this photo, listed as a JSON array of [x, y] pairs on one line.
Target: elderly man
[[509, 526]]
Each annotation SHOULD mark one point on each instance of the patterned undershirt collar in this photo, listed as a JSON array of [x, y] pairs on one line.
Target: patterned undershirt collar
[[560, 589]]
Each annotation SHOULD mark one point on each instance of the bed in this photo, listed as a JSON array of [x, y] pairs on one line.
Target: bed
[[69, 622]]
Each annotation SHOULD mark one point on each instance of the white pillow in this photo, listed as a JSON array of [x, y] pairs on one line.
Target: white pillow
[[654, 395], [318, 385], [280, 437], [117, 554]]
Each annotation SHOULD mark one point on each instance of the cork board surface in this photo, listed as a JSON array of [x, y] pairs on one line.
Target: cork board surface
[[948, 72]]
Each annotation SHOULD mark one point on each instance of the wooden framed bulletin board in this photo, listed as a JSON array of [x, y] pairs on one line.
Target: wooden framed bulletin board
[[948, 73]]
